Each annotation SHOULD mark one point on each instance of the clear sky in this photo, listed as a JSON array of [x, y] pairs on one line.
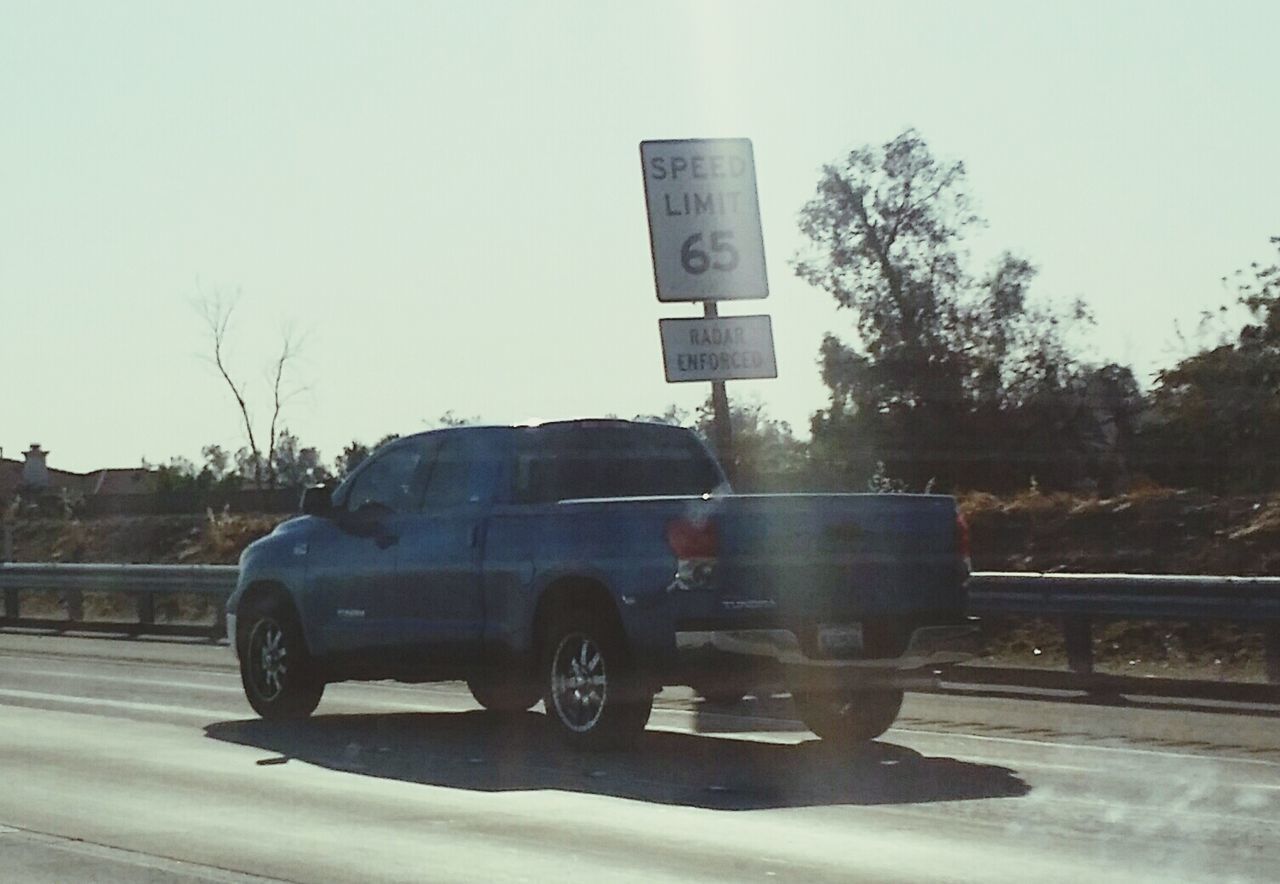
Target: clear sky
[[447, 197]]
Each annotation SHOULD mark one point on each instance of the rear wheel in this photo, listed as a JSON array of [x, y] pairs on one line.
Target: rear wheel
[[591, 688], [276, 670], [848, 717]]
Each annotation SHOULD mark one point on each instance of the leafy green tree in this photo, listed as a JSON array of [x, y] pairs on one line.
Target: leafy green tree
[[1215, 418], [674, 416], [295, 465], [767, 455], [951, 377], [217, 462], [180, 474], [450, 419], [356, 453], [351, 457]]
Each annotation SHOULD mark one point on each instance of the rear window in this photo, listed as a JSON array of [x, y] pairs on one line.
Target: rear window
[[563, 462]]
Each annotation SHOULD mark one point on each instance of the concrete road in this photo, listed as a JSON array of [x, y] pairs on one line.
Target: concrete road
[[141, 761]]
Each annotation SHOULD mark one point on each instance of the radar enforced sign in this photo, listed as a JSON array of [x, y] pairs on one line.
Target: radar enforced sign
[[704, 219], [723, 348]]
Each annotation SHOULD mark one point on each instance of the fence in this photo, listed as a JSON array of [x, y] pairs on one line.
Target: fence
[[1075, 601], [143, 582]]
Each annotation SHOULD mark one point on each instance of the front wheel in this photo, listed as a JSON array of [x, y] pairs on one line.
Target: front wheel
[[506, 694], [848, 717], [591, 688], [279, 678]]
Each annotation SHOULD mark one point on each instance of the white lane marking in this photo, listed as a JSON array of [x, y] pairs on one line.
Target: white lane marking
[[407, 688], [110, 704], [93, 676], [136, 859], [776, 725], [219, 714], [1223, 759]]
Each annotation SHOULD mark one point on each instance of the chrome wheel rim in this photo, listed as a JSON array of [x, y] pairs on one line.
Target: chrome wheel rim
[[579, 682], [268, 659]]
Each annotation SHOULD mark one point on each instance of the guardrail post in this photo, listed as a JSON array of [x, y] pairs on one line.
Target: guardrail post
[[1271, 651], [75, 605], [12, 600], [219, 630], [146, 610], [1077, 635]]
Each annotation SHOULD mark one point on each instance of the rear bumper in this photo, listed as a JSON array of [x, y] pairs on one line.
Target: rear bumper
[[928, 648]]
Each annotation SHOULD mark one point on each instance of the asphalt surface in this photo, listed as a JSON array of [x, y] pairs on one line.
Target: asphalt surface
[[141, 761]]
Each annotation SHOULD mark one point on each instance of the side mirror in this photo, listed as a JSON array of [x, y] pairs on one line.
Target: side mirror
[[317, 500]]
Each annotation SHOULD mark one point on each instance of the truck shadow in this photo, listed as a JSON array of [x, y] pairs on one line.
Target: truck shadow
[[483, 752]]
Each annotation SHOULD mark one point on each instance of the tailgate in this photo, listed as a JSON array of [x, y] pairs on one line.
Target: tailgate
[[828, 558]]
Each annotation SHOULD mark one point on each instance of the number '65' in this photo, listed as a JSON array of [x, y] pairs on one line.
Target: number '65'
[[696, 260]]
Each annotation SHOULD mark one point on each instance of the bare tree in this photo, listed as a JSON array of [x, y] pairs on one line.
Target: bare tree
[[216, 311]]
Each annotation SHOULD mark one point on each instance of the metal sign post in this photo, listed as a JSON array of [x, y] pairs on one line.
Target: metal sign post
[[720, 410], [708, 245]]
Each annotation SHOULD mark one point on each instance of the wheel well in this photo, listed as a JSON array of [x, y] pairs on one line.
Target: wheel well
[[572, 594], [260, 592]]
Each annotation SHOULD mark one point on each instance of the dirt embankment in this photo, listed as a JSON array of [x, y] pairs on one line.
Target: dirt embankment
[[1152, 532], [209, 539]]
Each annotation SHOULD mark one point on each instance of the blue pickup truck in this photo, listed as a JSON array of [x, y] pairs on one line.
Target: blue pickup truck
[[587, 564]]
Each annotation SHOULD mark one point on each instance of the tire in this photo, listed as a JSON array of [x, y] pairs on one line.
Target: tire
[[849, 717], [276, 670], [591, 687], [506, 694]]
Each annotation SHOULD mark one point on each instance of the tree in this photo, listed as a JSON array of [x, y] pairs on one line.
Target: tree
[[295, 466], [1215, 418], [258, 463], [767, 455], [182, 475], [216, 461], [450, 419], [944, 364], [356, 453], [351, 457]]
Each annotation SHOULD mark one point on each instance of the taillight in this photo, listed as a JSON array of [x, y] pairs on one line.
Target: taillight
[[963, 551], [692, 540], [695, 545]]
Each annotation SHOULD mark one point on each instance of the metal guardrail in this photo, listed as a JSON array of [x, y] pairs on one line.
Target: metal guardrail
[[143, 582], [1075, 600], [1127, 596]]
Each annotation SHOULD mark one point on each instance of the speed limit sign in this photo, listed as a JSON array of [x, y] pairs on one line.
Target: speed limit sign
[[704, 219]]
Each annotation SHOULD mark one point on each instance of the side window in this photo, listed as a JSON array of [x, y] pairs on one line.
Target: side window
[[449, 480], [388, 480]]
